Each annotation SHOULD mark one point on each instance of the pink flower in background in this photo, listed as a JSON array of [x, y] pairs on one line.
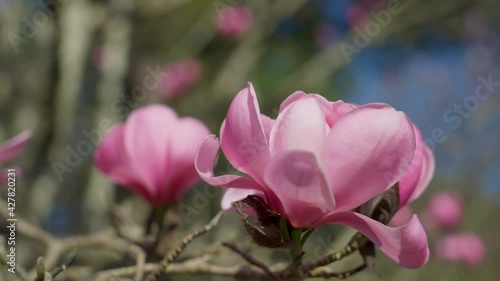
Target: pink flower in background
[[97, 56], [463, 248], [152, 153], [357, 16], [445, 210], [234, 21], [10, 149], [180, 77], [318, 161]]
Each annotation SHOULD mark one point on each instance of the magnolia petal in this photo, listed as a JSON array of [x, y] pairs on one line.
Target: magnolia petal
[[297, 95], [419, 174], [300, 184], [401, 217], [366, 152], [337, 110], [110, 157], [13, 146], [243, 139], [428, 169], [146, 136], [267, 124], [189, 134], [406, 245], [333, 110], [205, 159], [301, 126], [236, 194]]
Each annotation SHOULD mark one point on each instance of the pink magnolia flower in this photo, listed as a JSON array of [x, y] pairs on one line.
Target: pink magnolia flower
[[465, 248], [10, 149], [318, 161], [234, 21], [445, 210], [152, 153], [181, 76], [357, 16]]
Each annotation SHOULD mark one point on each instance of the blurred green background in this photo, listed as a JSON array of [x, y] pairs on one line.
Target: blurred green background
[[65, 66]]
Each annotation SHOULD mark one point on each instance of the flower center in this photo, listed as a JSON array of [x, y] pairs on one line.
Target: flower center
[[300, 174]]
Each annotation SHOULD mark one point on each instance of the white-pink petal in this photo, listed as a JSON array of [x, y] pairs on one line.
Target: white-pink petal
[[406, 245], [205, 159], [366, 152], [236, 194], [243, 140], [419, 174], [299, 182], [301, 126]]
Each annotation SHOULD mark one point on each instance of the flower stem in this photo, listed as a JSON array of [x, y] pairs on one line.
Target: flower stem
[[306, 235], [155, 219], [174, 253], [293, 270]]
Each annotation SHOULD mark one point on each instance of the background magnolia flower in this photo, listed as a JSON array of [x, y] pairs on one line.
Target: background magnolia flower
[[10, 149], [445, 210], [234, 21], [152, 153], [357, 16], [180, 77], [318, 161], [465, 248], [97, 56]]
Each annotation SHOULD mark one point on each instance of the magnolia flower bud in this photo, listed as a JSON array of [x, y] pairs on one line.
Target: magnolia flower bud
[[262, 224]]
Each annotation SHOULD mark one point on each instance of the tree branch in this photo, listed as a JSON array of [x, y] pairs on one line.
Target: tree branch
[[172, 255], [251, 260]]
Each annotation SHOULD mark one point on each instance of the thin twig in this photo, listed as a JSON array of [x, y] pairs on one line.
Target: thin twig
[[172, 255], [327, 273], [71, 259], [354, 245], [251, 260], [197, 266]]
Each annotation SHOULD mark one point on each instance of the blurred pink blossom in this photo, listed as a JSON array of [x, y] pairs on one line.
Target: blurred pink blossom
[[234, 21], [464, 248], [318, 161], [97, 56], [10, 149], [444, 211], [357, 16], [152, 153], [180, 77]]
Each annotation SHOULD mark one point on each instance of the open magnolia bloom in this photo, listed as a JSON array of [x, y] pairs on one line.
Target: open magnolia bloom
[[317, 162], [152, 153]]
